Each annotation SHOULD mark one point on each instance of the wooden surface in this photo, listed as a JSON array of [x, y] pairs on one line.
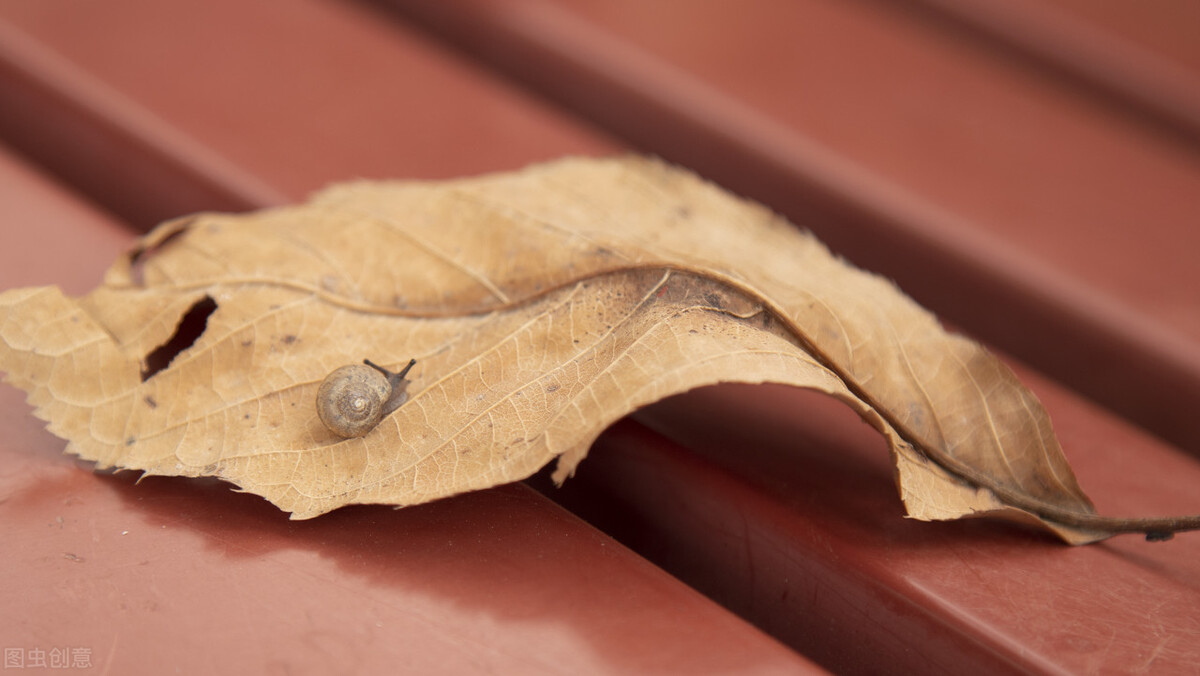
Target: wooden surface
[[1039, 201]]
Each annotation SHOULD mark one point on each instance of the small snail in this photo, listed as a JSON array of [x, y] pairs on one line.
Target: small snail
[[353, 399]]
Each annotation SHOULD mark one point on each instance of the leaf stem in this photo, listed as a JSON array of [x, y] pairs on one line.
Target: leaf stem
[[1156, 529]]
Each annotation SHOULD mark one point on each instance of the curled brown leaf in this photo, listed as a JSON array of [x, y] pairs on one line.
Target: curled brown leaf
[[540, 306]]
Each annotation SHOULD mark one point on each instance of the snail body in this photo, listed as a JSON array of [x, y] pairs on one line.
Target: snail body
[[353, 399]]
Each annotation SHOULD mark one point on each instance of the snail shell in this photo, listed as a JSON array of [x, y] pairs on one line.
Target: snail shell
[[353, 399]]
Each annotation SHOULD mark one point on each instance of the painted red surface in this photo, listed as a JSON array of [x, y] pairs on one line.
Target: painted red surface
[[1038, 215]]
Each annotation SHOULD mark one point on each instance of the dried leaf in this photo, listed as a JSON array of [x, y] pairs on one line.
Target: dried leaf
[[540, 306]]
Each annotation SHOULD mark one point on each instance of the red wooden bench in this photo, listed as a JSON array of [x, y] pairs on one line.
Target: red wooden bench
[[1043, 204]]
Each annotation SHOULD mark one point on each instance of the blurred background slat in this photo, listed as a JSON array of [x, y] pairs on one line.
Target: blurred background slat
[[1066, 224]]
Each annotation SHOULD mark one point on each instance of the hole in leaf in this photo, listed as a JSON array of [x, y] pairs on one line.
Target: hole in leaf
[[191, 327]]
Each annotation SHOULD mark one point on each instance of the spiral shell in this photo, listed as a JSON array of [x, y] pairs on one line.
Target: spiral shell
[[353, 399]]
